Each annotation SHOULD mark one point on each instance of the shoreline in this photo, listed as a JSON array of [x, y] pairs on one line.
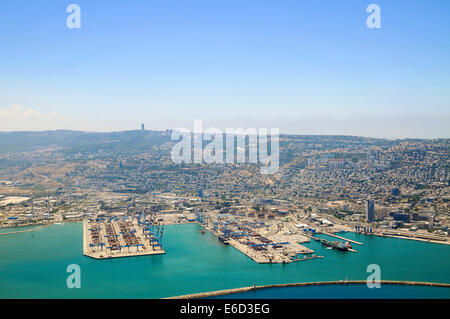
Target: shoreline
[[303, 284]]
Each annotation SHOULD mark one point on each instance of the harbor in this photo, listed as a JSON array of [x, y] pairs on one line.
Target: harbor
[[198, 261]]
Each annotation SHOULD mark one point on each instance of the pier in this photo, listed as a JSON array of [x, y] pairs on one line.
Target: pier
[[340, 237]]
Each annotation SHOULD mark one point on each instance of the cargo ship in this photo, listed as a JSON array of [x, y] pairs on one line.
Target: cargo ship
[[336, 244]]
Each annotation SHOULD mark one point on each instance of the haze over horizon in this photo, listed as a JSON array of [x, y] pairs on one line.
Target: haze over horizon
[[163, 130], [303, 67]]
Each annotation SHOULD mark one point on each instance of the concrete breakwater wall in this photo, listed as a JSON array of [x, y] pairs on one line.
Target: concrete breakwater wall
[[300, 284], [26, 230]]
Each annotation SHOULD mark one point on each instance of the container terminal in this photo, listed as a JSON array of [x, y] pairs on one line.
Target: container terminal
[[122, 237], [260, 241], [263, 241]]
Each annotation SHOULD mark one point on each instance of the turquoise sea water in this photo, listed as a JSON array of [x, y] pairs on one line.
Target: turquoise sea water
[[33, 265]]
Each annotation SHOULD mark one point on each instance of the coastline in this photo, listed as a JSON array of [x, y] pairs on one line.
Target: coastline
[[300, 284]]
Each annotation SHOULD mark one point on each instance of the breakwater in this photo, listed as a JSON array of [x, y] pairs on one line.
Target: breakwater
[[300, 284], [27, 230]]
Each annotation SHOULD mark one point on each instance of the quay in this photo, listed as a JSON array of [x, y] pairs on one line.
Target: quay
[[343, 238]]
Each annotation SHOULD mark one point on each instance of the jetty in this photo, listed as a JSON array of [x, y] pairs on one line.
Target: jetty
[[343, 238]]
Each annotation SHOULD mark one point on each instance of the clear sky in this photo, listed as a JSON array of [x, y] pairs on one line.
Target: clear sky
[[307, 67]]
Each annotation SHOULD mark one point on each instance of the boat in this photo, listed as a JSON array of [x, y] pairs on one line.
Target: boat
[[223, 240], [334, 244], [201, 231]]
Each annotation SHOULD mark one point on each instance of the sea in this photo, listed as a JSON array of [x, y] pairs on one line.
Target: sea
[[34, 265]]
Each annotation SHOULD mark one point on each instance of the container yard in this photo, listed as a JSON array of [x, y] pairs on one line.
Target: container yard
[[122, 237]]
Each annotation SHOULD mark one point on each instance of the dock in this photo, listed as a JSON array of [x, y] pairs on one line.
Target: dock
[[343, 238]]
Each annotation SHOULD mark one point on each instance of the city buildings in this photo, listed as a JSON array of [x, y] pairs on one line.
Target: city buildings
[[370, 211]]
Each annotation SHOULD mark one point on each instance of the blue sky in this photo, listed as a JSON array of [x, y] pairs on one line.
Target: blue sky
[[308, 67]]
